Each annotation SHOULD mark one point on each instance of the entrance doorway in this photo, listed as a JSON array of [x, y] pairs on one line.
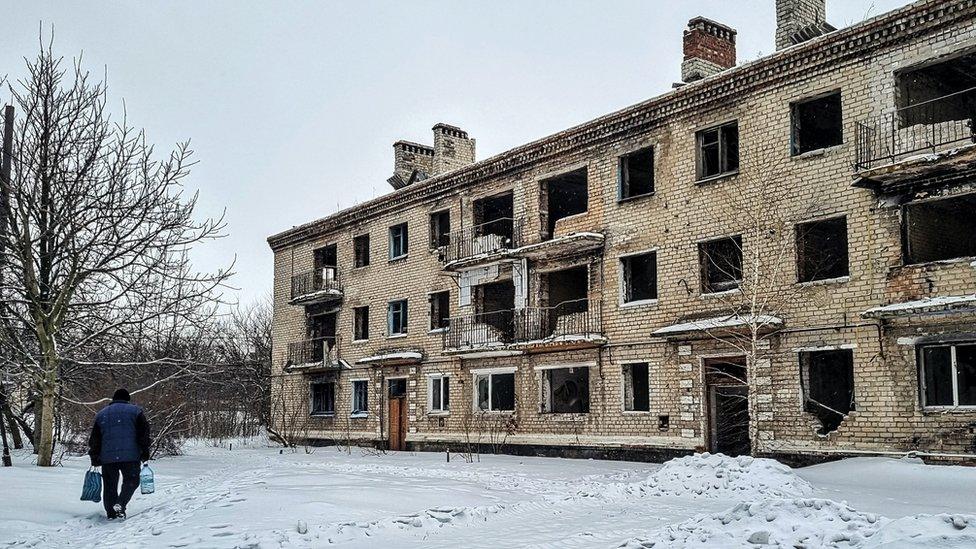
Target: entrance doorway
[[397, 396], [727, 392]]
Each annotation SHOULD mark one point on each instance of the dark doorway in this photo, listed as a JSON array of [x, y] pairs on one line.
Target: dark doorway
[[321, 333], [728, 406], [494, 305], [493, 216]]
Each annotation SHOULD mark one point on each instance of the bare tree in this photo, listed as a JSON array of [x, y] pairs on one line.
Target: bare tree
[[99, 232]]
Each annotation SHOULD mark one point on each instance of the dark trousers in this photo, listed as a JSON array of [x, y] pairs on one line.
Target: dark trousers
[[110, 484]]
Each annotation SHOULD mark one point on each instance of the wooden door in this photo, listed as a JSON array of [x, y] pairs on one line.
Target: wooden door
[[398, 423]]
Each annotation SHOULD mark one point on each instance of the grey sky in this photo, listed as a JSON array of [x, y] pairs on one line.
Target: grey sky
[[292, 107]]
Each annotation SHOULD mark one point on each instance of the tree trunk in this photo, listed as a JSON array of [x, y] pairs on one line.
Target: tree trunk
[[14, 428], [45, 446]]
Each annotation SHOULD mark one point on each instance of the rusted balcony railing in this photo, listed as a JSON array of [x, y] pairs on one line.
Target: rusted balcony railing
[[569, 320], [315, 352], [493, 236], [924, 127], [320, 280]]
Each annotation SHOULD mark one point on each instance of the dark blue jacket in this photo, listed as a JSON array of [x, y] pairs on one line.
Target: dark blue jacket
[[120, 434]]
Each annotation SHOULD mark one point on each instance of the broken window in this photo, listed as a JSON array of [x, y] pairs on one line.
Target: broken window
[[828, 382], [323, 398], [496, 392], [440, 310], [397, 317], [398, 241], [817, 123], [948, 375], [718, 150], [562, 196], [821, 249], [639, 277], [360, 246], [721, 264], [360, 323], [637, 173], [360, 400], [942, 229], [326, 259], [440, 394], [637, 388], [440, 229], [566, 390], [493, 223], [938, 92]]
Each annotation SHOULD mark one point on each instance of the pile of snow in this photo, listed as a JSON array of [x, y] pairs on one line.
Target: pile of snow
[[934, 531], [720, 476]]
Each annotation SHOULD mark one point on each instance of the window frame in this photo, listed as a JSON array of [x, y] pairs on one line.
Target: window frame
[[361, 411], [627, 370], [623, 173], [546, 401], [794, 128], [704, 285], [906, 251], [436, 236], [311, 399], [722, 144], [953, 372], [359, 259], [403, 239], [403, 314], [491, 374], [800, 249], [356, 311], [442, 381], [625, 284], [432, 298]]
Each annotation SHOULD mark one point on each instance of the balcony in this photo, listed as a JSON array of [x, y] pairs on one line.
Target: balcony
[[320, 353], [569, 325], [927, 140], [482, 243], [319, 285]]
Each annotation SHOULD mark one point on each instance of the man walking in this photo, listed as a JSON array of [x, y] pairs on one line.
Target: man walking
[[119, 441]]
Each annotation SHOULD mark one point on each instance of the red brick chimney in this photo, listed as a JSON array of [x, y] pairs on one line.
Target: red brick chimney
[[709, 48]]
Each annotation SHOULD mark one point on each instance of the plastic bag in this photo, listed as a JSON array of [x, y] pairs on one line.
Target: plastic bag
[[92, 490], [146, 483]]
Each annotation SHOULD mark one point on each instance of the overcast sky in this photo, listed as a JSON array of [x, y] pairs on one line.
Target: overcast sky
[[292, 107]]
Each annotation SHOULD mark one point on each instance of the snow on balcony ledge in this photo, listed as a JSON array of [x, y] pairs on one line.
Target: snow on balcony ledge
[[718, 322], [320, 295], [927, 306], [402, 357]]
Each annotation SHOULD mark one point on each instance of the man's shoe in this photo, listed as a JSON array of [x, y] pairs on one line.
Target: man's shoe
[[119, 511]]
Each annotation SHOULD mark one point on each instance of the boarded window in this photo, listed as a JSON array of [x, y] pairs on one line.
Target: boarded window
[[440, 394], [817, 123], [821, 248], [637, 173], [440, 310], [718, 150], [639, 277], [942, 229], [360, 323], [948, 375], [360, 245], [828, 382], [360, 396], [566, 390], [721, 264], [637, 389], [496, 392], [440, 229], [398, 241], [397, 317], [323, 398]]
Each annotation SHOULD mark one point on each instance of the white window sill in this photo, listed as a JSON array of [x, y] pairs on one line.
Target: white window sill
[[637, 412], [817, 153], [494, 412], [961, 409], [825, 281], [359, 415], [953, 261], [322, 415], [399, 258], [396, 336], [716, 295], [437, 331], [359, 341], [639, 303], [439, 413]]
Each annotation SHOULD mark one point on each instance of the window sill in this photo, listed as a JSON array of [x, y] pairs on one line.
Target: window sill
[[937, 263], [396, 336], [495, 412], [359, 415], [717, 178], [825, 281], [444, 413], [399, 258], [635, 198], [718, 295], [359, 341], [437, 331], [639, 303], [968, 409], [568, 417], [636, 412], [817, 153], [322, 415]]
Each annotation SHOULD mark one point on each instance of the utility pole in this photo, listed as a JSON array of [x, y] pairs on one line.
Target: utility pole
[[5, 162]]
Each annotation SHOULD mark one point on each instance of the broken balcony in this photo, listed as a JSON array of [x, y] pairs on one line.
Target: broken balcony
[[319, 353], [927, 140], [319, 285], [482, 243], [568, 325]]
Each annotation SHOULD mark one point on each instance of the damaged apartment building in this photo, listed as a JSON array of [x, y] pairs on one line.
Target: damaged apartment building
[[774, 258]]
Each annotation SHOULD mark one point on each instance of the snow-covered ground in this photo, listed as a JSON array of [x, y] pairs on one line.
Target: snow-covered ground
[[258, 497]]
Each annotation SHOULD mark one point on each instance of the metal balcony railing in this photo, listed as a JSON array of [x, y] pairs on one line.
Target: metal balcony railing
[[318, 351], [923, 127], [317, 280], [567, 320], [496, 235]]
